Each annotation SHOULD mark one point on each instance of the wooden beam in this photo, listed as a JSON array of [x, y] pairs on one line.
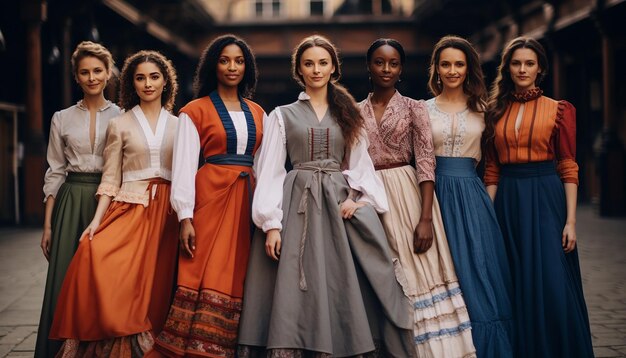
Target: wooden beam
[[151, 26]]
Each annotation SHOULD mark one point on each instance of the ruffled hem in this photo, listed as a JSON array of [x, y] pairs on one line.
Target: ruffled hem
[[442, 308], [107, 189], [132, 346], [133, 198]]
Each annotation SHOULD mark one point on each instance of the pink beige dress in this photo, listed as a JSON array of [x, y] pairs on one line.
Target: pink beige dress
[[441, 323]]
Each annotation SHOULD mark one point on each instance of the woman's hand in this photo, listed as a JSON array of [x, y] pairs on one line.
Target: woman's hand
[[423, 236], [569, 237], [90, 230], [349, 207], [46, 242], [272, 244], [187, 237]]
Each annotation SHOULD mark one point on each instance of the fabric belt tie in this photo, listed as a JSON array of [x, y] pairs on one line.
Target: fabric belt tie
[[152, 186], [312, 187], [230, 159], [390, 166], [243, 160]]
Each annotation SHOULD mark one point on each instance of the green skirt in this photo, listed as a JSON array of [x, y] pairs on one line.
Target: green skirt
[[74, 208]]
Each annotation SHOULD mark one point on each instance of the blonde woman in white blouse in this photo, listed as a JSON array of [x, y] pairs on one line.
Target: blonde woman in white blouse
[[75, 168], [117, 289]]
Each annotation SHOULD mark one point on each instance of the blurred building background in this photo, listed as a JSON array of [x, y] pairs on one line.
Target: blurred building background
[[585, 39]]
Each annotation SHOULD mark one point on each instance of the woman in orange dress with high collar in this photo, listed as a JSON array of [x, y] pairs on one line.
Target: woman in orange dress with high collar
[[213, 202], [117, 289], [532, 174]]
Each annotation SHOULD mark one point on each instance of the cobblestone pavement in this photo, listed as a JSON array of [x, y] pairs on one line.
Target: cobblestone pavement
[[602, 246]]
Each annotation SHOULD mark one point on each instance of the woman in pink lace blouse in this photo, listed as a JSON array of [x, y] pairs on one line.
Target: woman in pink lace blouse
[[398, 129]]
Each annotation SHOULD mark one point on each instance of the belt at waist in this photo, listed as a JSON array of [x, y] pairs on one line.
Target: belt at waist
[[455, 166], [527, 170], [87, 178], [325, 166], [390, 166], [231, 159]]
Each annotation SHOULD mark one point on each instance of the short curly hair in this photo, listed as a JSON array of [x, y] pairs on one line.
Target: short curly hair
[[128, 97], [91, 49], [205, 80]]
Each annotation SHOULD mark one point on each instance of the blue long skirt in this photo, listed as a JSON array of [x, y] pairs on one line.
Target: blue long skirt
[[479, 254], [550, 309]]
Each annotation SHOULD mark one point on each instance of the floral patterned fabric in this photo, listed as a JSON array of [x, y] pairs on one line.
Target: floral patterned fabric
[[402, 135]]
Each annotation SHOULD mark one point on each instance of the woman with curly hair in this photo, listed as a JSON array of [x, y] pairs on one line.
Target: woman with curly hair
[[117, 289], [532, 174], [478, 250], [213, 202], [321, 282], [75, 158]]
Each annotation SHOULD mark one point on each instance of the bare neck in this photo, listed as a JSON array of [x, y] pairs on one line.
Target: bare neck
[[318, 96], [95, 102], [228, 94], [382, 96], [151, 109], [452, 96]]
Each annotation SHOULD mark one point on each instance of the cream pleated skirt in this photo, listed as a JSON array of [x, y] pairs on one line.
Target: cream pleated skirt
[[442, 326]]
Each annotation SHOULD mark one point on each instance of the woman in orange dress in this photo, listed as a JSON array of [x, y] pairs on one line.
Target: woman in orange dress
[[117, 289], [213, 202]]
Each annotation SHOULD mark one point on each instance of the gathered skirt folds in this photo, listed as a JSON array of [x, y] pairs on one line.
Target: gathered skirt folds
[[442, 326], [74, 207], [550, 309], [333, 293], [479, 255], [204, 318], [118, 286]]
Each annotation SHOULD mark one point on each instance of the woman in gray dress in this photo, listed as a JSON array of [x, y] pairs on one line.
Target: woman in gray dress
[[321, 280]]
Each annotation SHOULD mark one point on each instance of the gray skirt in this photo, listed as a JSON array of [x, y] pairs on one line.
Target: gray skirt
[[334, 290]]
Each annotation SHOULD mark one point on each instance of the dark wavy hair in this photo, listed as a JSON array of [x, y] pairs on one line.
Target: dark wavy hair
[[205, 80], [503, 86], [128, 95], [474, 84], [341, 104]]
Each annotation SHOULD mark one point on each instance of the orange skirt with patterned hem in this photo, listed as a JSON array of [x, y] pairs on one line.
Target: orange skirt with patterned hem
[[204, 319], [120, 283], [201, 324]]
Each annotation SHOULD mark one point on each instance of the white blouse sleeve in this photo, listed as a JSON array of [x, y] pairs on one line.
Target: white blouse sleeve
[[361, 176], [55, 175], [184, 167], [270, 171]]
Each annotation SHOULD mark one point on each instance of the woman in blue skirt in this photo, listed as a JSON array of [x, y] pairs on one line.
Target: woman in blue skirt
[[478, 250], [531, 172]]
